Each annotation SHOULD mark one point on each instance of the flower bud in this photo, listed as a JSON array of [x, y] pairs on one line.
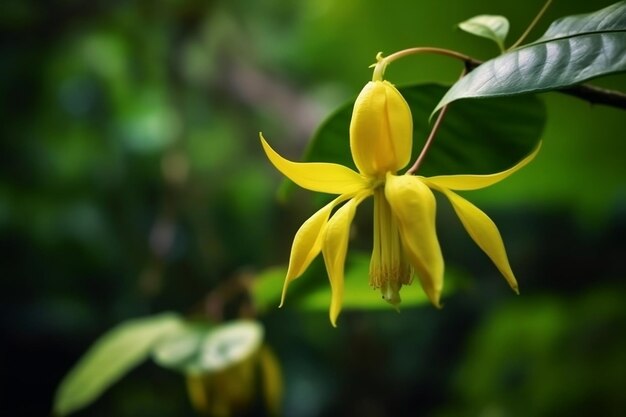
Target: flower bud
[[381, 130]]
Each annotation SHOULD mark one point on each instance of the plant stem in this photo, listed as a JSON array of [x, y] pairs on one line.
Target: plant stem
[[382, 62], [596, 95], [429, 141], [532, 25], [432, 134]]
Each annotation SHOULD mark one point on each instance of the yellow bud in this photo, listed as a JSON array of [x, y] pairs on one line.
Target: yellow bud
[[381, 130]]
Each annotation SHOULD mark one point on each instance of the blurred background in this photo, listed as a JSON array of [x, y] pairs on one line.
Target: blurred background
[[132, 182]]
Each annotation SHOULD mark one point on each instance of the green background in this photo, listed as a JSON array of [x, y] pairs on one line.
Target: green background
[[132, 182]]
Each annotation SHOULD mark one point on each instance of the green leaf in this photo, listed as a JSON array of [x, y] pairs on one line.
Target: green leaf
[[611, 18], [200, 349], [110, 358], [573, 49], [488, 26], [311, 292], [358, 295], [267, 288], [478, 137]]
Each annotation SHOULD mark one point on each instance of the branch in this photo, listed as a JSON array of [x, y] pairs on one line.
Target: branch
[[589, 93], [597, 95]]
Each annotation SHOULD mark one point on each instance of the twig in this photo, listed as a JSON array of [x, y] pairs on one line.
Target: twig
[[531, 26], [597, 95], [429, 141], [589, 93], [432, 134], [382, 62]]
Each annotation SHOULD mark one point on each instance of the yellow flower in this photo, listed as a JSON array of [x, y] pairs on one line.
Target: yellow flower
[[405, 239]]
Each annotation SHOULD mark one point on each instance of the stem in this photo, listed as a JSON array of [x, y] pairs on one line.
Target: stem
[[429, 141], [382, 62], [596, 95], [432, 134], [532, 25]]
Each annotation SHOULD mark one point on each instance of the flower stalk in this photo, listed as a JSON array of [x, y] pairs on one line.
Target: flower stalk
[[381, 62]]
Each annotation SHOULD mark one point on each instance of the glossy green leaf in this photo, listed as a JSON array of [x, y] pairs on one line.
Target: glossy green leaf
[[110, 358], [477, 137], [573, 49], [204, 349], [488, 26], [611, 18]]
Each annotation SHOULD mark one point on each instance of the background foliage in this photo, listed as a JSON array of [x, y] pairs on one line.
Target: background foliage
[[132, 182]]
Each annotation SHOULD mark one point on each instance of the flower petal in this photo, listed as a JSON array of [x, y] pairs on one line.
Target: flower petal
[[317, 176], [381, 129], [414, 207], [474, 182], [307, 243], [335, 248], [484, 232]]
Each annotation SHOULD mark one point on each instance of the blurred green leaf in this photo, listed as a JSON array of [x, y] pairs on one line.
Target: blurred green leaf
[[268, 286], [179, 352], [110, 358], [201, 349], [309, 293], [478, 137], [573, 49], [358, 294], [488, 26]]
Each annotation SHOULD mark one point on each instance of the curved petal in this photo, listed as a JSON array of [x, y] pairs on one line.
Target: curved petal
[[317, 176], [474, 182], [414, 207], [307, 243], [484, 232], [335, 248]]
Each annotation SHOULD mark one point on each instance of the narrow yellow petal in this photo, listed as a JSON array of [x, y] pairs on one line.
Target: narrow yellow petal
[[484, 232], [414, 207], [307, 243], [381, 129], [335, 248], [474, 182], [317, 176]]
